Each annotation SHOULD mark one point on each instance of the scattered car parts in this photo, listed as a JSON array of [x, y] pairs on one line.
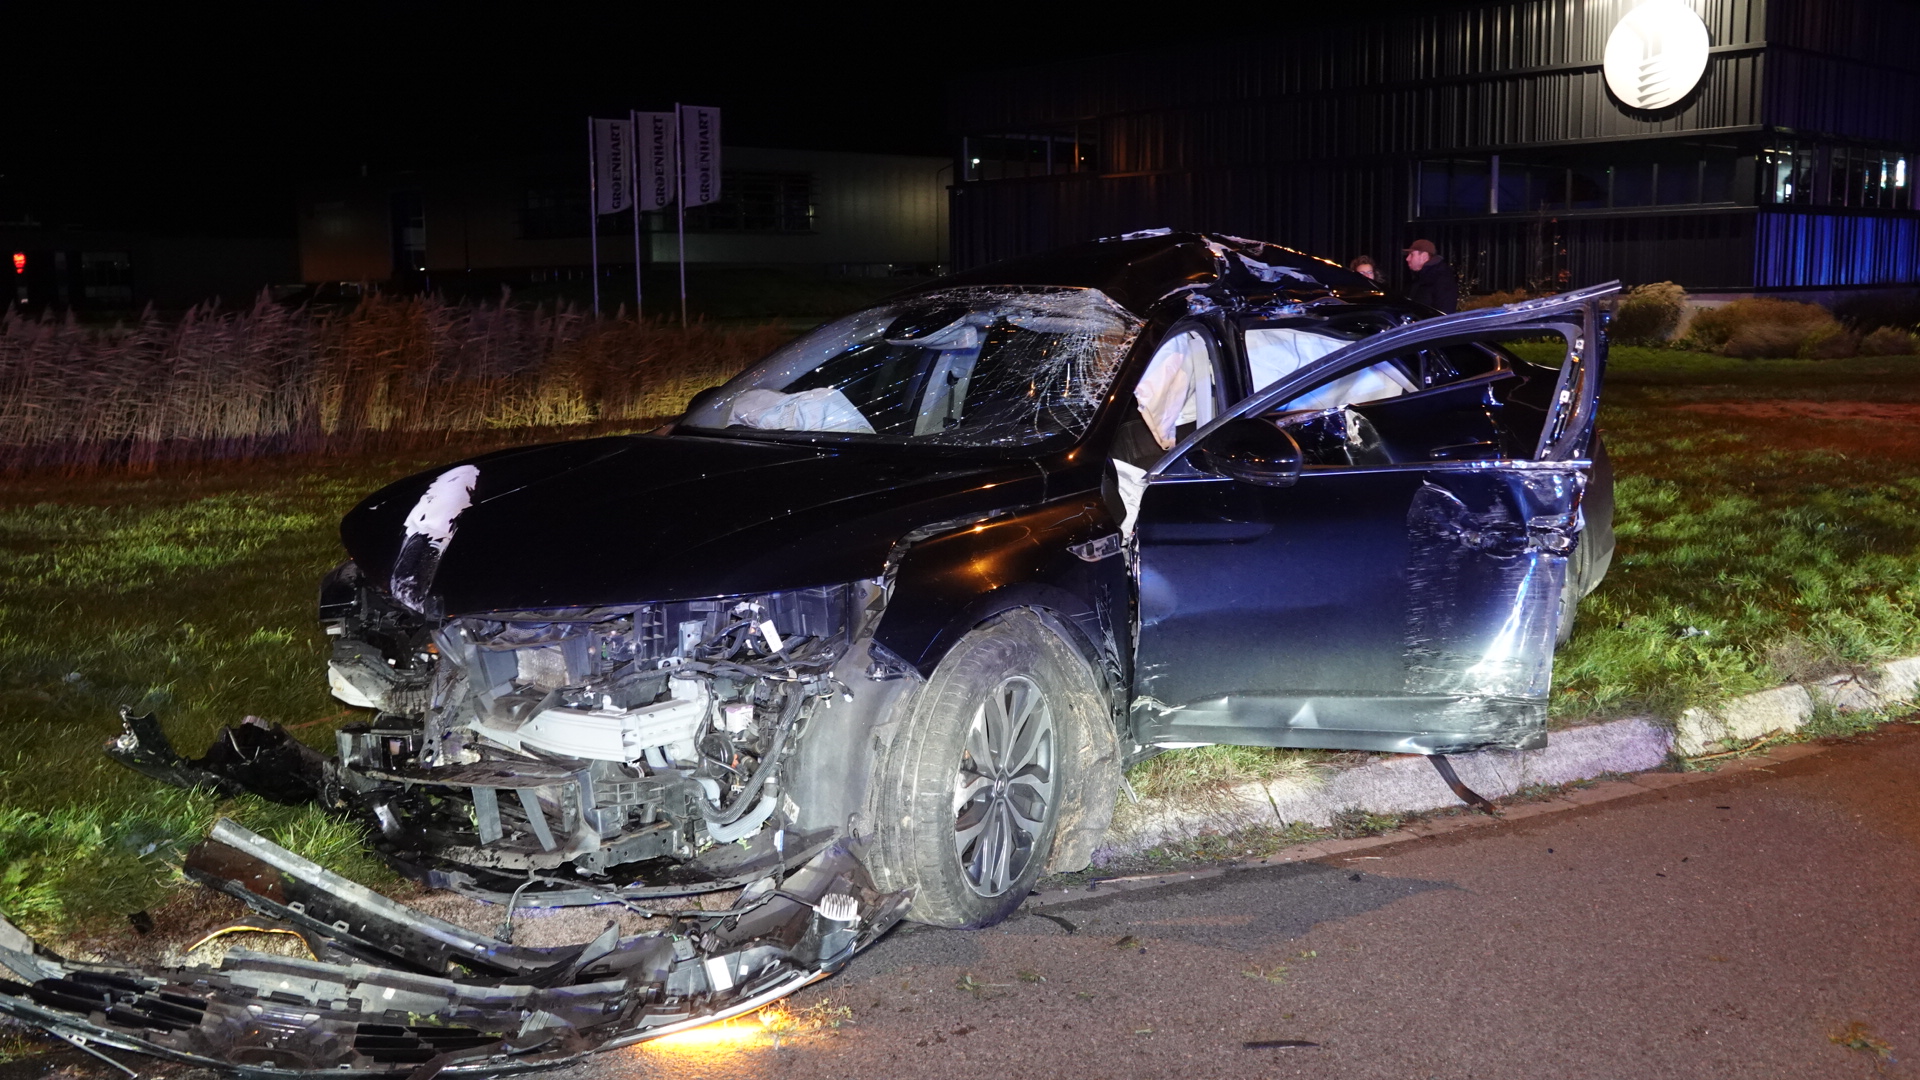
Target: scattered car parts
[[394, 992]]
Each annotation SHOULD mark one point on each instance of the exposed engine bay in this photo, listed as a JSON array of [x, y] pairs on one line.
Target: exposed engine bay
[[636, 749]]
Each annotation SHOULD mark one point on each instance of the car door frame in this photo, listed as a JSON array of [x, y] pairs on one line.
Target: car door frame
[[1558, 458]]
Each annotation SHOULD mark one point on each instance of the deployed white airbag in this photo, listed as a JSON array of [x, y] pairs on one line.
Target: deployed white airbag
[[821, 409], [1177, 387], [1276, 352], [1133, 486]]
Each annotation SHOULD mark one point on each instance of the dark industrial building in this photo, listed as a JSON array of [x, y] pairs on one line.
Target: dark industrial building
[[105, 272], [1491, 129], [524, 221]]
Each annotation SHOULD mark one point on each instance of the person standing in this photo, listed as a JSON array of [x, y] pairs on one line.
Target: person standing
[[1434, 282], [1363, 265]]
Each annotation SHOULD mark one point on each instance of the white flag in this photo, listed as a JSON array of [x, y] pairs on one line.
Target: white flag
[[654, 143], [612, 166], [700, 154]]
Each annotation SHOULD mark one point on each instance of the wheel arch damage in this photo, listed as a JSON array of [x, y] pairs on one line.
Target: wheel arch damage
[[1062, 562], [1064, 558]]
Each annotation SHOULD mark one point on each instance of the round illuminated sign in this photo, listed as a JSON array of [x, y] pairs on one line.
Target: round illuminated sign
[[1657, 54]]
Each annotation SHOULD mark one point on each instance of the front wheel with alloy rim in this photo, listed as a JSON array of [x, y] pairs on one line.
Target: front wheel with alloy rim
[[1003, 791], [1005, 767]]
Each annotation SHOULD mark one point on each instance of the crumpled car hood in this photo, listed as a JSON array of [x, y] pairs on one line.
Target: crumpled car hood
[[634, 519]]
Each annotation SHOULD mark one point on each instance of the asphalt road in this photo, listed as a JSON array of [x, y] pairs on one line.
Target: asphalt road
[[1722, 927]]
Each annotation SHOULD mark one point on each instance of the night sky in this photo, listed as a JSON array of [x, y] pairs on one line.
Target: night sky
[[205, 119]]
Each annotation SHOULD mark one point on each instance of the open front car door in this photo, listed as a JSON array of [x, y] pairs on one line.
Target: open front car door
[[1371, 551]]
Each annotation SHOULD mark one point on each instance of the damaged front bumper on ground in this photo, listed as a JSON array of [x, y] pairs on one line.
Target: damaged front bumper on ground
[[394, 992]]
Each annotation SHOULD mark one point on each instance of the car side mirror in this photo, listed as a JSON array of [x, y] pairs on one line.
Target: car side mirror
[[701, 400], [1253, 450]]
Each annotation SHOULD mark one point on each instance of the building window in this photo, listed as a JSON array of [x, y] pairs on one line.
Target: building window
[[1633, 184], [1869, 179], [106, 277], [1453, 188], [1716, 180], [558, 211], [1462, 188], [409, 233], [1677, 182], [1020, 155], [762, 202], [1588, 187], [1786, 173], [553, 211], [1798, 173], [1525, 187]]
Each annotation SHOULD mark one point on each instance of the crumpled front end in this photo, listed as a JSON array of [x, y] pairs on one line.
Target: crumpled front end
[[394, 992], [527, 743], [571, 755]]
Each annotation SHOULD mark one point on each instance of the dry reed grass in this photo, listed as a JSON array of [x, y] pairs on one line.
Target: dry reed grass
[[391, 372]]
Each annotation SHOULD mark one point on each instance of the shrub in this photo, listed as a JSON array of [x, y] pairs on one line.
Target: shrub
[[1828, 341], [1764, 341], [1511, 296], [1649, 314], [1713, 327], [245, 383], [1890, 341], [1759, 327]]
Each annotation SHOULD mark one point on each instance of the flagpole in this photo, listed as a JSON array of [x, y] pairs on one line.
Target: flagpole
[[593, 215], [680, 200], [633, 186]]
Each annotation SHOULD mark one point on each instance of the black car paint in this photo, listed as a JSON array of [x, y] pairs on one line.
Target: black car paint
[[960, 578], [648, 518], [1262, 632]]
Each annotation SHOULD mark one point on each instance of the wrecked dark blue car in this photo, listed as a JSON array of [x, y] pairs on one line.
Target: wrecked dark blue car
[[933, 574], [899, 603]]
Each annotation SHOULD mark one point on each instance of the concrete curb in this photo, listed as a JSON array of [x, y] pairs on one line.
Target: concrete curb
[[1406, 784], [1352, 851], [1787, 708]]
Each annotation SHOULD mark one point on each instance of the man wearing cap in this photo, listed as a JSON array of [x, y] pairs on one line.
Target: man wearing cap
[[1434, 283]]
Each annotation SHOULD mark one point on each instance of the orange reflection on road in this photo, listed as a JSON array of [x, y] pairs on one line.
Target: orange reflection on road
[[726, 1035]]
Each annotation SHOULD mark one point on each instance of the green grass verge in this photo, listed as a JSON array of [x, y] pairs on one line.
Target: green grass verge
[[1755, 546], [1180, 772], [1768, 529], [189, 595]]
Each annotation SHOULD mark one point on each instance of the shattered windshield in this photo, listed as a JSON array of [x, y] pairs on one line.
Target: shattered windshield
[[986, 367]]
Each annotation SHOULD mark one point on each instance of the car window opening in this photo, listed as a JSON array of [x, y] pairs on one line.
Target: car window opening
[[1333, 422], [978, 367]]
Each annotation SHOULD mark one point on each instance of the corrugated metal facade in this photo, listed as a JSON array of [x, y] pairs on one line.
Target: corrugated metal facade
[[1323, 139]]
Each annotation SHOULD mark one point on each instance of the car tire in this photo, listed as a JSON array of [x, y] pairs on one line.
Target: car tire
[[1006, 767]]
